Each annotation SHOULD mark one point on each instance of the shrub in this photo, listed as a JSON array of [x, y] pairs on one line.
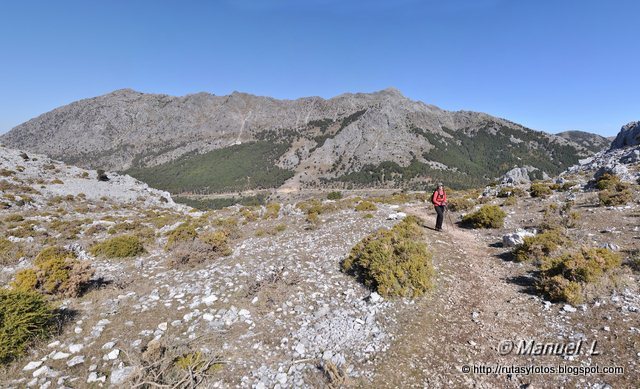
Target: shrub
[[334, 195], [9, 252], [394, 262], [56, 271], [183, 233], [58, 181], [558, 288], [249, 214], [510, 201], [368, 216], [24, 317], [562, 278], [218, 240], [488, 216], [14, 218], [539, 246], [608, 181], [229, 226], [539, 189], [272, 211], [313, 219], [123, 246], [460, 204], [611, 198], [366, 206], [101, 175]]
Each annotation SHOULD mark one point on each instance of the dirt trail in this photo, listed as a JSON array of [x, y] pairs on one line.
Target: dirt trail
[[463, 321]]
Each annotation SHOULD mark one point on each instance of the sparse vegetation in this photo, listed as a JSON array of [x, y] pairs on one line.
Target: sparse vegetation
[[124, 246], [24, 317], [488, 216], [394, 262]]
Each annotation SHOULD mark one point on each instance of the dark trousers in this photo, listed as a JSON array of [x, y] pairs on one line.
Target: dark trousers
[[440, 217]]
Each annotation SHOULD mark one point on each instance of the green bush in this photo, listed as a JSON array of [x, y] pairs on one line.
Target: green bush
[[183, 233], [563, 278], [366, 206], [510, 201], [510, 192], [613, 198], [9, 252], [609, 181], [488, 216], [218, 240], [540, 189], [24, 317], [272, 211], [123, 246], [460, 204], [538, 246], [334, 195], [56, 271], [394, 262]]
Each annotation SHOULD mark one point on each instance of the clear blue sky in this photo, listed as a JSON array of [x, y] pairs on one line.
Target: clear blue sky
[[551, 65]]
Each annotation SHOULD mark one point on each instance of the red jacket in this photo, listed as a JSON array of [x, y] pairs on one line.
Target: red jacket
[[439, 198]]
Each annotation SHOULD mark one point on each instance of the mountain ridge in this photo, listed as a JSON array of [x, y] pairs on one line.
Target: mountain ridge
[[380, 138]]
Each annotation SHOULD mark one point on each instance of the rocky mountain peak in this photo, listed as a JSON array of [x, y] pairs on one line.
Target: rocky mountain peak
[[629, 135]]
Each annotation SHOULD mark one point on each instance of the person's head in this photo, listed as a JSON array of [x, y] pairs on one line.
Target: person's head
[[440, 186]]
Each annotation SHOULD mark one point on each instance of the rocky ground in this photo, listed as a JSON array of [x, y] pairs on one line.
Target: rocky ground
[[277, 312]]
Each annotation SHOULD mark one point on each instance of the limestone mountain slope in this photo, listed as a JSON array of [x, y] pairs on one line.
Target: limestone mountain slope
[[361, 139]]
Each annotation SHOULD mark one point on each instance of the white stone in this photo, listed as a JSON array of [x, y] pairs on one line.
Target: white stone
[[163, 326], [300, 349], [41, 371], [210, 299], [207, 317], [32, 365], [93, 377], [569, 308], [78, 359], [120, 376], [112, 355], [108, 345], [374, 297], [60, 355], [281, 378], [244, 313], [74, 348], [54, 344]]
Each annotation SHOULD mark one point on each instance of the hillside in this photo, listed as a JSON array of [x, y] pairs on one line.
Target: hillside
[[592, 142], [380, 139], [255, 296]]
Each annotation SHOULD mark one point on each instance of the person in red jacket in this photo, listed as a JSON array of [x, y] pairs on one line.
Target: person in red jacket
[[439, 200]]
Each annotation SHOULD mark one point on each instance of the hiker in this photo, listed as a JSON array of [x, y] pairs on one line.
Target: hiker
[[439, 200]]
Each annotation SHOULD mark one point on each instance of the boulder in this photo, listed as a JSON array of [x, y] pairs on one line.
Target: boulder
[[516, 238], [516, 176]]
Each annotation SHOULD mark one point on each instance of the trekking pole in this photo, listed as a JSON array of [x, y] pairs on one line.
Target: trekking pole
[[446, 208]]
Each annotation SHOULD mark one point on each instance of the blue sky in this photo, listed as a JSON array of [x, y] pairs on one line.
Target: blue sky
[[551, 65]]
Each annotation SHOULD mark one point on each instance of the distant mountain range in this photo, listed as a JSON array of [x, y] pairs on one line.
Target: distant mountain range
[[206, 143]]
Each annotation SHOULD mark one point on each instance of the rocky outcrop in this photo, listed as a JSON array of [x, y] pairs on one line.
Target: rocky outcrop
[[629, 135]]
